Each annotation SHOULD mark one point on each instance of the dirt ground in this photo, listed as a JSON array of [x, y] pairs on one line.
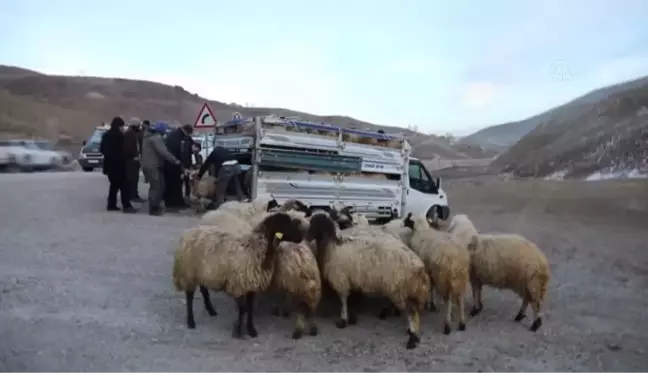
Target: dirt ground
[[85, 289]]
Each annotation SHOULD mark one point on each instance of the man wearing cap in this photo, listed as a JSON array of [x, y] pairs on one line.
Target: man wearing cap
[[154, 156]]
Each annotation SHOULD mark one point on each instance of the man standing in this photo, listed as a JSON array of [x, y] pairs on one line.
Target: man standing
[[154, 155], [146, 125], [132, 151], [222, 163], [172, 173], [114, 165]]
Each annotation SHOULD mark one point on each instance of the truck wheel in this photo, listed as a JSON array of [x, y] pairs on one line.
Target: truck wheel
[[88, 169]]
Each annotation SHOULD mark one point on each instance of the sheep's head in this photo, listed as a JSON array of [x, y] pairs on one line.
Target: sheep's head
[[290, 227], [343, 218], [294, 204], [408, 221], [322, 226], [272, 204]]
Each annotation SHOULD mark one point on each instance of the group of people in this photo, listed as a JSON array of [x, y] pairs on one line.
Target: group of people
[[164, 163]]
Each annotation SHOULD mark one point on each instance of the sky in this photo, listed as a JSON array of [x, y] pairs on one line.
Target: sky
[[444, 66]]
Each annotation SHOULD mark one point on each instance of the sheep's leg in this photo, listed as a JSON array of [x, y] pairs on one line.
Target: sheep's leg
[[252, 332], [299, 324], [354, 301], [413, 327], [448, 315], [238, 324], [342, 322], [285, 305], [431, 306], [276, 310], [191, 323], [522, 312], [207, 300], [537, 316], [312, 327], [462, 313], [477, 298]]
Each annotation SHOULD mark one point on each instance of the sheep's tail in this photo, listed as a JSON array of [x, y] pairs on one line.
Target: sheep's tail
[[472, 244], [538, 285], [419, 288], [178, 271]]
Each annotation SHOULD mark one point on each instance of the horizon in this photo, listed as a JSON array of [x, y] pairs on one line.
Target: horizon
[[496, 63]]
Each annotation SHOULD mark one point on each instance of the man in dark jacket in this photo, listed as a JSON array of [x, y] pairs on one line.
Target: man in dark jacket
[[223, 164], [172, 174], [132, 150], [114, 165]]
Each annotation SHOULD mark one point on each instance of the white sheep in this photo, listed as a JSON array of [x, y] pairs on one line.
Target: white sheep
[[461, 227], [379, 264], [447, 263], [239, 264], [509, 261], [297, 276]]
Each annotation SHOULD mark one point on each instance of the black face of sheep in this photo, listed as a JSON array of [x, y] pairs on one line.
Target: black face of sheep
[[322, 230], [298, 205], [343, 217], [408, 222], [272, 204], [283, 223]]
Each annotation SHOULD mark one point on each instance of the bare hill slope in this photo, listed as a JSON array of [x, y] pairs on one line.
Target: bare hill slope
[[40, 105], [501, 137], [604, 131]]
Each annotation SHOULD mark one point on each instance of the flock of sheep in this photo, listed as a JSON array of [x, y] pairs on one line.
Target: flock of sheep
[[294, 251]]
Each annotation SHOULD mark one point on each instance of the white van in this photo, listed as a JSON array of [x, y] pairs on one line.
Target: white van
[[326, 165]]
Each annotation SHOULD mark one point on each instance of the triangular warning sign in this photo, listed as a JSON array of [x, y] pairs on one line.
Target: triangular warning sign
[[206, 118]]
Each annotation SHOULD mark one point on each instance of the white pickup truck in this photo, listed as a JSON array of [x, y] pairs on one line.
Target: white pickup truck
[[326, 165]]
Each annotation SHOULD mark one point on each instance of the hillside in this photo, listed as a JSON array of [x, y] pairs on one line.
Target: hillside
[[69, 107], [501, 137], [605, 131]]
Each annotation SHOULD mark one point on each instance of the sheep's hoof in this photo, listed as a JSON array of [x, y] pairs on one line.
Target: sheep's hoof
[[413, 341], [252, 332], [212, 312], [275, 311], [285, 313], [462, 326], [191, 324], [432, 307], [297, 334], [475, 311], [519, 317], [353, 319], [313, 330], [536, 324], [341, 323], [383, 313], [446, 329]]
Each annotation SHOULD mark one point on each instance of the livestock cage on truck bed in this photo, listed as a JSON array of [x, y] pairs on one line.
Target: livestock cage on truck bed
[[323, 165]]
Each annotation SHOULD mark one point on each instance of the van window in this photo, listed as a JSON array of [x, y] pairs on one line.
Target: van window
[[96, 137], [418, 178]]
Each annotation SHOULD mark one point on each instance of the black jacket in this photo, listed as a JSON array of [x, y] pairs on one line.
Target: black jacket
[[112, 148], [216, 159], [174, 142]]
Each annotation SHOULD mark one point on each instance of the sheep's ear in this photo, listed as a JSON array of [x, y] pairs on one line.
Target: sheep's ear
[[272, 204], [346, 210], [408, 222], [309, 212]]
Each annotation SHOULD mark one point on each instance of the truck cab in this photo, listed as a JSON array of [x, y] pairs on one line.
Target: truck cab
[[326, 165], [90, 157]]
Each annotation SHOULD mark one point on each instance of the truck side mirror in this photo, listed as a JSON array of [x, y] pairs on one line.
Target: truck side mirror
[[438, 183], [84, 143]]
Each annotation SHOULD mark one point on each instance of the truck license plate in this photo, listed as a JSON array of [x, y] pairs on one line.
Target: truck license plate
[[93, 161]]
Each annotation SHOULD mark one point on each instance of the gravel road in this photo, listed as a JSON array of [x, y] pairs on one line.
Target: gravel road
[[85, 289]]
